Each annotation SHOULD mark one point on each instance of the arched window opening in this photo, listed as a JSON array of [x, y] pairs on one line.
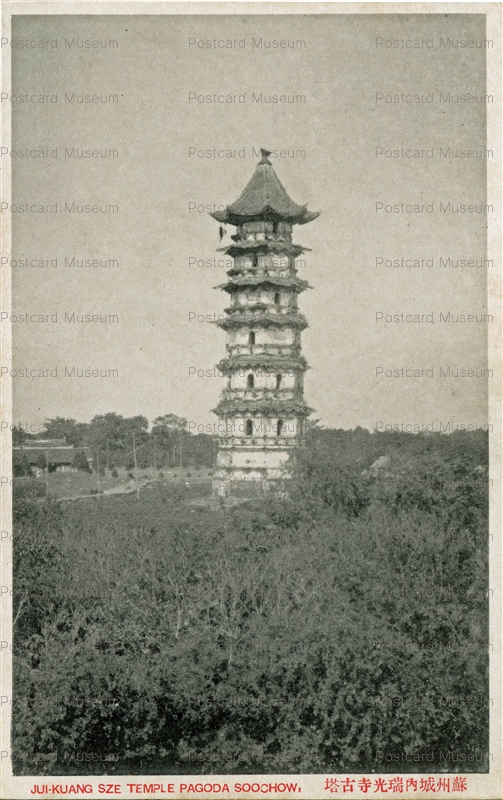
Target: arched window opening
[[250, 381], [277, 298], [252, 337], [275, 227], [279, 427], [254, 261], [278, 381], [249, 427]]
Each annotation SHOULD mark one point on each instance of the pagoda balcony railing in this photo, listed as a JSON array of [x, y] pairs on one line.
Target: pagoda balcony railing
[[258, 393], [272, 442], [266, 271], [268, 349], [264, 236], [264, 309]]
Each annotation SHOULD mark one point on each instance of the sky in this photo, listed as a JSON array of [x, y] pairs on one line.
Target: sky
[[348, 135]]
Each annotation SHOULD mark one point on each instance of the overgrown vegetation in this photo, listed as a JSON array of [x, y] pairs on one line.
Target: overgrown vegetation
[[299, 634]]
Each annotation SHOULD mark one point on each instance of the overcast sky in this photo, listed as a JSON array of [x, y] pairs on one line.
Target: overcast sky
[[339, 66]]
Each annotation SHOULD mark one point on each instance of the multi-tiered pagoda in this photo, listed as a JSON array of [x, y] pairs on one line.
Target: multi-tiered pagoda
[[262, 409]]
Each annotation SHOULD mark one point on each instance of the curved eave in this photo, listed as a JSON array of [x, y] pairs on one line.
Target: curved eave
[[273, 363], [309, 216], [267, 245], [295, 284], [265, 321], [268, 213], [269, 407]]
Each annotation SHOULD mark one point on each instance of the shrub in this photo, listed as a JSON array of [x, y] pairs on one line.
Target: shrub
[[80, 462]]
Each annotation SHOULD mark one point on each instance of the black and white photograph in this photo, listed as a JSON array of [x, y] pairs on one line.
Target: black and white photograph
[[250, 382]]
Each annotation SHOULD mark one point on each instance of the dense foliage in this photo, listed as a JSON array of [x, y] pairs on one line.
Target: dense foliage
[[296, 634]]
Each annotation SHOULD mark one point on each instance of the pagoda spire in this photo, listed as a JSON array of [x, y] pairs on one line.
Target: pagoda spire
[[265, 156]]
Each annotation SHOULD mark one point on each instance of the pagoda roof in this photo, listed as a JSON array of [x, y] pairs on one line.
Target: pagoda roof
[[261, 317], [290, 282], [268, 362], [264, 406], [268, 245], [264, 197]]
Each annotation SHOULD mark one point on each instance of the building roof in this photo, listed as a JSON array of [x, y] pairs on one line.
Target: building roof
[[55, 455], [264, 197], [44, 443]]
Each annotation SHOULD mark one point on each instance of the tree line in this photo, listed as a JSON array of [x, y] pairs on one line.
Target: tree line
[[114, 441]]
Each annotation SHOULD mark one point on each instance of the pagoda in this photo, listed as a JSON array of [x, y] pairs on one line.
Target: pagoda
[[262, 411]]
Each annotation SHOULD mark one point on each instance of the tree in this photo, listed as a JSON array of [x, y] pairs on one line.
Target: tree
[[105, 428], [41, 461], [168, 432], [80, 462], [21, 467], [19, 436], [68, 429], [170, 422]]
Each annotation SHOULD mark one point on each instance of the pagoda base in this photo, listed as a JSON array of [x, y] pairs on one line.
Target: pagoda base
[[250, 470]]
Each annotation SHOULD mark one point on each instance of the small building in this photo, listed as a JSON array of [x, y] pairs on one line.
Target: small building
[[50, 455]]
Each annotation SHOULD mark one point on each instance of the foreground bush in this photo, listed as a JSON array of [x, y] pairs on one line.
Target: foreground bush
[[303, 635]]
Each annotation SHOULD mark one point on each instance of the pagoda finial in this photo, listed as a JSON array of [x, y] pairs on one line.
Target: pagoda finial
[[265, 154]]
